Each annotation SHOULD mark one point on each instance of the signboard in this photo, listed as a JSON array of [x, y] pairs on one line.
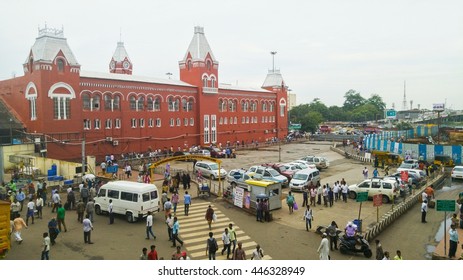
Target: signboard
[[239, 195], [377, 200], [438, 107], [295, 126], [391, 114], [445, 205], [362, 196]]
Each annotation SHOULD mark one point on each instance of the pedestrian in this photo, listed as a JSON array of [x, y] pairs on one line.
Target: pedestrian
[[424, 211], [325, 195], [233, 238], [211, 246], [18, 224], [177, 254], [60, 216], [30, 211], [71, 199], [128, 170], [319, 193], [266, 209], [453, 234], [45, 247], [239, 253], [167, 207], [84, 193], [153, 254], [257, 254], [39, 206], [175, 232], [398, 256], [336, 190], [313, 195], [80, 209], [144, 255], [332, 231], [324, 248], [110, 212], [386, 256], [305, 196], [365, 173], [209, 216], [88, 227], [344, 191], [90, 209], [308, 217], [330, 195], [290, 202], [170, 225], [226, 242], [149, 226], [379, 250], [20, 197], [187, 202], [56, 200], [53, 230], [174, 200], [375, 173]]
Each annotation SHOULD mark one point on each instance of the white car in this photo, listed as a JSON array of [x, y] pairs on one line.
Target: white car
[[457, 172], [388, 188], [210, 169], [310, 165]]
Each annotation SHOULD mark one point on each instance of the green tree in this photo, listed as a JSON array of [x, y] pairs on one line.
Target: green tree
[[311, 121], [337, 113], [353, 99], [403, 126]]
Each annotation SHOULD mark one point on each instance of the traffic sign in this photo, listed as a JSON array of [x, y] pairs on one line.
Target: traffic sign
[[391, 114], [377, 200], [445, 205], [362, 196]]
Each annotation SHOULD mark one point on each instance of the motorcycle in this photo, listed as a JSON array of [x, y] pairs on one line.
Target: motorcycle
[[357, 244]]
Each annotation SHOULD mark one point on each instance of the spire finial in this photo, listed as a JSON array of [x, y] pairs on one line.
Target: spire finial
[[273, 53], [120, 34]]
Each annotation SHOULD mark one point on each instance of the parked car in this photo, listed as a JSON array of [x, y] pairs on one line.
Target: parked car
[[409, 164], [302, 179], [418, 172], [416, 180], [210, 169], [387, 187], [319, 162], [270, 174], [282, 169], [237, 177], [203, 152], [457, 172], [310, 165], [215, 152]]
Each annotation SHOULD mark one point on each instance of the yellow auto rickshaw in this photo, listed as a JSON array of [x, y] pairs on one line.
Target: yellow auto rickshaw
[[385, 158], [443, 160]]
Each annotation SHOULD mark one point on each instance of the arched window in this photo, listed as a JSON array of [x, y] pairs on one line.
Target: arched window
[[108, 102], [264, 106], [86, 101], [96, 103], [221, 120], [213, 82], [222, 108], [141, 103], [133, 103], [204, 81], [208, 65], [225, 121], [253, 106], [282, 107], [61, 94], [149, 104], [177, 105], [184, 105], [60, 64], [189, 65], [190, 104], [235, 120], [116, 103], [170, 101], [271, 106], [157, 104]]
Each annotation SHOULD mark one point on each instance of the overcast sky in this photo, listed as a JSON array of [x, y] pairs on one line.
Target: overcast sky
[[324, 48]]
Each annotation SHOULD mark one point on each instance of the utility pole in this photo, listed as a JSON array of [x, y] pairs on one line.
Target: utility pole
[[83, 153]]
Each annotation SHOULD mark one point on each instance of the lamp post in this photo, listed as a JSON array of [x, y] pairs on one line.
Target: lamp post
[[11, 131]]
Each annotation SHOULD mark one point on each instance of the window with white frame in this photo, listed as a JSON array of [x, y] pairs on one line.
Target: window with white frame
[[282, 107], [264, 106], [108, 123], [149, 104], [172, 122], [253, 106], [86, 101], [116, 103], [177, 105], [150, 122], [235, 120], [226, 120], [247, 119], [184, 105], [243, 120], [221, 121], [117, 123], [213, 129], [31, 96], [62, 108], [133, 103], [87, 124], [142, 122], [157, 104], [213, 82], [190, 104], [206, 129], [179, 122], [204, 81], [133, 122], [185, 122], [140, 103], [271, 106], [108, 102], [222, 105], [192, 121], [231, 120], [158, 122], [97, 123]]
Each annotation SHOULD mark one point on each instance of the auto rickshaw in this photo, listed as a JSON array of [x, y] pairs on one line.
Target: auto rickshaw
[[443, 160], [385, 158]]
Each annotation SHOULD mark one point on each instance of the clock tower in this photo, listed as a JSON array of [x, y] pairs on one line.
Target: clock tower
[[120, 62]]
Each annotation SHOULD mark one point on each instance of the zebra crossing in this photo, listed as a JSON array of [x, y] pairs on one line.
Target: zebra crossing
[[194, 231]]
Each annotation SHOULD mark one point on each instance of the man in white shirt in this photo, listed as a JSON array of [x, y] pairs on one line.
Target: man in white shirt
[[226, 242], [424, 211], [56, 201], [149, 226], [170, 225], [46, 247], [88, 227], [39, 206], [110, 211], [257, 254], [30, 211]]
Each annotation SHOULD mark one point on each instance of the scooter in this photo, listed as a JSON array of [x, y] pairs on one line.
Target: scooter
[[356, 244]]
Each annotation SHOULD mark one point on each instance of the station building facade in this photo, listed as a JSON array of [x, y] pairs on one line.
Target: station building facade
[[117, 112]]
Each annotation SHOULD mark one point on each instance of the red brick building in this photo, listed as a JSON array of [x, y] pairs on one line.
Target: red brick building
[[118, 112]]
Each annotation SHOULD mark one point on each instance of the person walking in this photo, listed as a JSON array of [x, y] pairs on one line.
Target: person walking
[[149, 226], [174, 200], [167, 207], [324, 248], [290, 202], [308, 216], [175, 232], [56, 201], [30, 211], [305, 196], [80, 209], [332, 232], [60, 216], [211, 246], [170, 225], [379, 250], [18, 224], [226, 242], [365, 173], [53, 230], [209, 216], [39, 207], [239, 253], [344, 191], [90, 209], [45, 247], [424, 211], [110, 211], [20, 197], [88, 227], [398, 256], [233, 238], [153, 254], [257, 254], [144, 255], [453, 234], [187, 202], [313, 195]]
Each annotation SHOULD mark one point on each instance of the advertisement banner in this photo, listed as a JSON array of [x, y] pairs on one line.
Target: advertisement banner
[[239, 195]]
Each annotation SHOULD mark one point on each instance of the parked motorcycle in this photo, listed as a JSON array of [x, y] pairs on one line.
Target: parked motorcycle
[[353, 245]]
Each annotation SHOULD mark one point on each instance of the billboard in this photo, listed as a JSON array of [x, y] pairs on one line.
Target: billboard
[[391, 114], [438, 107]]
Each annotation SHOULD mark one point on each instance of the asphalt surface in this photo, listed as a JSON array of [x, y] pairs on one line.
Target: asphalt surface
[[284, 238]]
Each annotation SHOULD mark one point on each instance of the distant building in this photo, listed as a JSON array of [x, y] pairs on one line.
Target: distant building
[[291, 100], [119, 112], [409, 114]]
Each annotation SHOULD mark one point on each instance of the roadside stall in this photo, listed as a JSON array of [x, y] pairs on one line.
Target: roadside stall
[[246, 196]]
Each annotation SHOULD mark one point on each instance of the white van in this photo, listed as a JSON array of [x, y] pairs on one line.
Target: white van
[[302, 179], [132, 199]]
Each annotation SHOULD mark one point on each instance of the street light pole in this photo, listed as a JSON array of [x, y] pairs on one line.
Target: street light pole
[[11, 131]]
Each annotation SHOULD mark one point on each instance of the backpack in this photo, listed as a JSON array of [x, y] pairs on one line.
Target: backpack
[[212, 243], [84, 192], [290, 199]]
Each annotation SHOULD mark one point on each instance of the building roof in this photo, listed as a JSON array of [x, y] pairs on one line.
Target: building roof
[[273, 79], [132, 78], [199, 47], [120, 53], [48, 45], [231, 87]]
